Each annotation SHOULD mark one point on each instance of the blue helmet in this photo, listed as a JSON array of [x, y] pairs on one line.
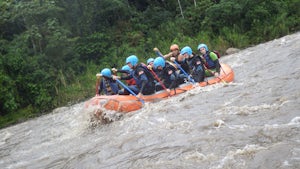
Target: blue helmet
[[150, 60], [126, 67], [159, 61], [132, 59], [187, 50], [202, 45], [106, 72]]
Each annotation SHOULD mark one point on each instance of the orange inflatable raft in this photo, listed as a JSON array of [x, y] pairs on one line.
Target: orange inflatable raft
[[128, 103]]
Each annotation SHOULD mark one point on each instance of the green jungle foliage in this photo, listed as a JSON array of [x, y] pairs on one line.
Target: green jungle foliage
[[50, 50]]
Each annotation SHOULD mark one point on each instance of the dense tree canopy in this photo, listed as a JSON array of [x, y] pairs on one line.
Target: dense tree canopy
[[51, 49]]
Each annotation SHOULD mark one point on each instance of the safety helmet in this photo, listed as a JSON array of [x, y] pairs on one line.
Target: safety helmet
[[132, 59], [202, 45], [174, 47], [150, 60], [159, 61], [126, 67], [187, 50], [106, 72]]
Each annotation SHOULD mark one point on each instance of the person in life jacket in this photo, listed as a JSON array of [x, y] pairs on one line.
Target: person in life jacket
[[166, 74], [128, 70], [174, 51], [181, 60], [125, 72], [107, 85], [195, 63], [149, 67], [143, 78], [150, 61], [211, 61]]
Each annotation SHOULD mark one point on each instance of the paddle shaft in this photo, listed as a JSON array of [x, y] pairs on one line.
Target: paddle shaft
[[97, 84], [127, 88], [214, 73], [184, 72], [223, 69], [157, 78]]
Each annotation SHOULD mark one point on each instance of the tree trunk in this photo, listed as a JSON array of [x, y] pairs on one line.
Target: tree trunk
[[180, 9]]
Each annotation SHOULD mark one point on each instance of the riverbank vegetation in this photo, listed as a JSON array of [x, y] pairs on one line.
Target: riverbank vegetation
[[50, 50]]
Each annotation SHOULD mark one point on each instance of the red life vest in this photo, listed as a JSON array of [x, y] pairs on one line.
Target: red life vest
[[130, 82]]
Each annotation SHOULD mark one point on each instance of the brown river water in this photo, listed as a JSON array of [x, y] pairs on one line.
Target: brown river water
[[252, 123]]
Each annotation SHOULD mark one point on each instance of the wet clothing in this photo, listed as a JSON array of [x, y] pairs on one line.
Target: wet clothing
[[129, 81], [168, 77], [197, 68], [182, 77], [211, 62], [108, 86], [143, 78], [184, 65]]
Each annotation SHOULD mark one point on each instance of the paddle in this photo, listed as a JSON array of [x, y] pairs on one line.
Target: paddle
[[160, 82], [222, 69], [214, 73], [190, 78], [98, 75], [127, 88], [158, 53]]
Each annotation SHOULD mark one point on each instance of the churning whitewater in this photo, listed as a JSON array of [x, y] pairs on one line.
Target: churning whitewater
[[253, 122]]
